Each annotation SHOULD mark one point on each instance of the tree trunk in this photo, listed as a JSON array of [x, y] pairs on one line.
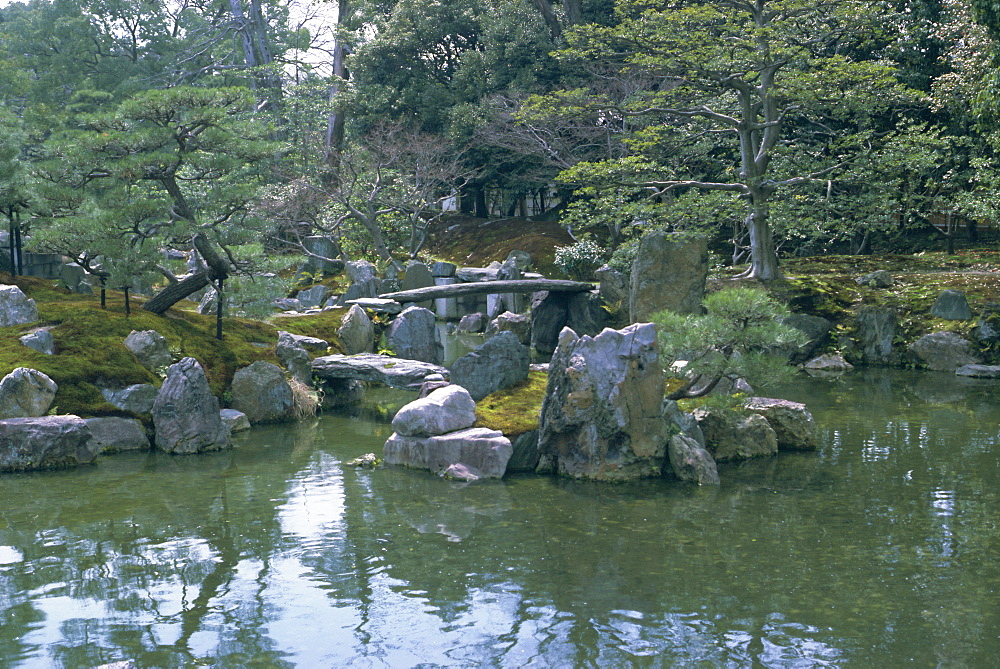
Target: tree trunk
[[175, 292], [763, 258], [551, 20], [334, 140], [574, 11]]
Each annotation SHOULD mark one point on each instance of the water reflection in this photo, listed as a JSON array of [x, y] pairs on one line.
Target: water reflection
[[879, 547]]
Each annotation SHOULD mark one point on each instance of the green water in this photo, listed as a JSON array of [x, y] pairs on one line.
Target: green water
[[879, 550]]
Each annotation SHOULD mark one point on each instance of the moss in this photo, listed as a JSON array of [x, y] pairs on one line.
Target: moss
[[514, 410], [323, 325]]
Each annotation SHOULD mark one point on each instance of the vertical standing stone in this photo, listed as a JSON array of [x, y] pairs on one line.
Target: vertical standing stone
[[669, 272]]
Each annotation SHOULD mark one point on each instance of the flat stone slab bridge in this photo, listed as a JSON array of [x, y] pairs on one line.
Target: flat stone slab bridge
[[385, 369], [488, 288]]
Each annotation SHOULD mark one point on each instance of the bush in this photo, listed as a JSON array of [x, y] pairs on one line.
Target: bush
[[579, 261]]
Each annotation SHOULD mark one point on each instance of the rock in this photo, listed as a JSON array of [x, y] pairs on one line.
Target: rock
[[683, 421], [294, 357], [828, 363], [377, 304], [417, 276], [548, 318], [951, 305], [41, 341], [136, 398], [314, 344], [313, 297], [669, 272], [475, 323], [287, 304], [979, 371], [519, 324], [150, 349], [512, 302], [691, 462], [359, 271], [357, 332], [730, 435], [431, 384], [793, 425], [460, 472], [185, 414], [525, 455], [327, 249], [261, 392], [498, 363], [443, 270], [876, 330], [16, 308], [585, 313], [386, 369], [444, 410], [44, 443], [522, 258], [74, 279], [366, 461], [235, 421], [26, 393], [614, 289], [116, 435], [484, 451], [209, 303], [815, 328], [877, 279], [944, 351], [413, 335], [987, 330], [602, 417], [475, 274], [446, 307]]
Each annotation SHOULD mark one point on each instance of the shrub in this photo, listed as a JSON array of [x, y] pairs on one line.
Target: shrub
[[579, 261]]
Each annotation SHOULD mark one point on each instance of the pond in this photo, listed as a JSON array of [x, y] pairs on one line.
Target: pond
[[880, 549]]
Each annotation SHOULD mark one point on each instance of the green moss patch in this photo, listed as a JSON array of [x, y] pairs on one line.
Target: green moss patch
[[323, 325], [514, 410]]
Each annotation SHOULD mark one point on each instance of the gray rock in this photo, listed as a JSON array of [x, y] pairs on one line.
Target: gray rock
[[16, 308], [876, 330], [691, 462], [294, 357], [614, 289], [474, 274], [817, 332], [431, 384], [669, 272], [793, 425], [74, 279], [944, 351], [444, 410], [828, 363], [484, 452], [313, 344], [117, 435], [979, 371], [498, 363], [377, 304], [548, 318], [443, 269], [287, 304], [209, 303], [987, 330], [413, 335], [519, 324], [585, 313], [512, 302], [474, 323], [261, 392], [185, 414], [522, 258], [683, 421], [951, 305], [327, 249], [877, 279], [460, 472], [418, 276], [26, 393], [150, 349], [446, 307], [359, 271], [730, 435], [602, 417], [235, 421], [385, 369], [44, 443], [357, 332], [41, 341], [136, 398], [313, 297], [525, 456]]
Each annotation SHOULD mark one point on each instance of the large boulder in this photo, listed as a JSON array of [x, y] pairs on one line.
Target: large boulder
[[508, 321], [137, 398], [116, 435], [26, 393], [793, 425], [525, 456], [548, 318], [669, 272], [294, 357], [186, 414], [417, 276], [481, 451], [602, 417], [44, 443], [363, 281], [16, 308], [944, 351], [413, 335], [475, 323], [816, 330], [357, 332], [731, 435], [150, 349], [447, 409], [313, 297], [386, 369], [261, 392], [328, 253], [951, 305], [691, 461], [498, 363], [876, 330], [828, 364]]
